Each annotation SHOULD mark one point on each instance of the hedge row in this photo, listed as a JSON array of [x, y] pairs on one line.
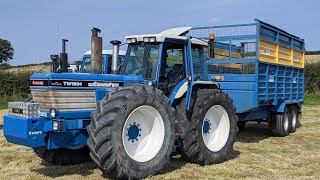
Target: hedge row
[[13, 87], [312, 77]]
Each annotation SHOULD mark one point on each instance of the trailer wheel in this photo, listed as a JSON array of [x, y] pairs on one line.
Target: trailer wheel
[[280, 123], [63, 156], [131, 135], [210, 135], [294, 120]]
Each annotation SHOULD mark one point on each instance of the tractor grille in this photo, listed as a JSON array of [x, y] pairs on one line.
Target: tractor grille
[[65, 100]]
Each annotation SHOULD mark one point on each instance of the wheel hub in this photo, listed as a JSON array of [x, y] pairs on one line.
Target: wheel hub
[[206, 127], [133, 132]]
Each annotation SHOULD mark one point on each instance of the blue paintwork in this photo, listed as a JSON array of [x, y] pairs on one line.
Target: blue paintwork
[[33, 132], [191, 75], [271, 85], [133, 132], [23, 131], [87, 76], [159, 65]]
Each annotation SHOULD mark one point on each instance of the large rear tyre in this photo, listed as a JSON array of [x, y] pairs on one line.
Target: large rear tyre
[[63, 156], [132, 132], [210, 135], [280, 123]]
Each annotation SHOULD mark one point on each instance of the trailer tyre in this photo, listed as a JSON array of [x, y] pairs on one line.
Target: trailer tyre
[[63, 156], [210, 135], [131, 134], [294, 120], [280, 123]]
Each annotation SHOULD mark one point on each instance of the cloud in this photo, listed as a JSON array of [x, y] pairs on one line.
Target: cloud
[[214, 20]]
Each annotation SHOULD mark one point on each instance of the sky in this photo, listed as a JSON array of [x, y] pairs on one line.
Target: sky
[[36, 27]]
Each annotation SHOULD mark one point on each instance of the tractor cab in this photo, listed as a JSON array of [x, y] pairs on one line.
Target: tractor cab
[[106, 58], [162, 58]]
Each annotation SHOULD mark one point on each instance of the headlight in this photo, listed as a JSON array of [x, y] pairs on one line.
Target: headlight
[[131, 40], [145, 39], [149, 39], [55, 125], [128, 40], [153, 39], [54, 112]]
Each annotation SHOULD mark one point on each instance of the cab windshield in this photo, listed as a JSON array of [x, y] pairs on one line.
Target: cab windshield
[[141, 58], [86, 65]]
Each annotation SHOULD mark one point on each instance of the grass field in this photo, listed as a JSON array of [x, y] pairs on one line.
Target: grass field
[[256, 155]]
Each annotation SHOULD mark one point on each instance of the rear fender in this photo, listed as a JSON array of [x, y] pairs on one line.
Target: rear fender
[[178, 91], [182, 87]]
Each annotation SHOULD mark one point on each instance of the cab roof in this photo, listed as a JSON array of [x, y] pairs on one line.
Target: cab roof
[[173, 33], [108, 52]]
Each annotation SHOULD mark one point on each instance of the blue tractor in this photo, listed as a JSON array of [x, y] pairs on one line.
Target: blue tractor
[[184, 89]]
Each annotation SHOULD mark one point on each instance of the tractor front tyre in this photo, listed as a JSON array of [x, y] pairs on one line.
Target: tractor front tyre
[[210, 135], [132, 132], [280, 123], [63, 156]]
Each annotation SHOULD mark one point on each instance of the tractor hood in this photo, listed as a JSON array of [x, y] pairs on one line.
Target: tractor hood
[[82, 80]]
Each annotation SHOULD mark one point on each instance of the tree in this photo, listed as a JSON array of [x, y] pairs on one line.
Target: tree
[[6, 51]]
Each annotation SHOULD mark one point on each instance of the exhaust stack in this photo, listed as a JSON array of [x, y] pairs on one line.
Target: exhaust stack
[[55, 62], [64, 57], [60, 64], [96, 51], [115, 57]]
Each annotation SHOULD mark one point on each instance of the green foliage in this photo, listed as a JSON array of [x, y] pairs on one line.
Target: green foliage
[[312, 77], [312, 99], [5, 99], [4, 66], [6, 51], [13, 86]]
